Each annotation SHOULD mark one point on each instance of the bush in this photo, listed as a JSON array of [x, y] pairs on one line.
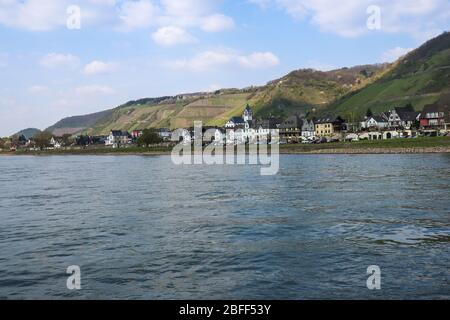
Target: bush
[[149, 137]]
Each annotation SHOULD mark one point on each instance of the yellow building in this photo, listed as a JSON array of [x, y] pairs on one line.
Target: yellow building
[[324, 129], [327, 127]]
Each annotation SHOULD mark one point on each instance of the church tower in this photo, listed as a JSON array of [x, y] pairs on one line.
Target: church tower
[[248, 114]]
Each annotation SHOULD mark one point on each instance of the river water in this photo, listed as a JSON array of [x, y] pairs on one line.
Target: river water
[[140, 227]]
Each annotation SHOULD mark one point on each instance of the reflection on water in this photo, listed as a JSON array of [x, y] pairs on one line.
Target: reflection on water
[[140, 227]]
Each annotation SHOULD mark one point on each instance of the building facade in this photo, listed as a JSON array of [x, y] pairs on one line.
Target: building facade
[[402, 118], [328, 127], [291, 129], [118, 138], [308, 129], [435, 117]]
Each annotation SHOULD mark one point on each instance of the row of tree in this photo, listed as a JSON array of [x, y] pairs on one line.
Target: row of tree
[[40, 140], [43, 139]]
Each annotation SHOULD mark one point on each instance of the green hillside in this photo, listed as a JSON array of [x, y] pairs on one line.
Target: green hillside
[[304, 90], [419, 78], [298, 92]]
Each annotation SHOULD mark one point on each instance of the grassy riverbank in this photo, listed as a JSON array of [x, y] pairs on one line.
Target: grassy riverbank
[[418, 145]]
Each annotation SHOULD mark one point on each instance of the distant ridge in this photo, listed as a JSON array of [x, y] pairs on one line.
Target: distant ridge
[[77, 124], [27, 133]]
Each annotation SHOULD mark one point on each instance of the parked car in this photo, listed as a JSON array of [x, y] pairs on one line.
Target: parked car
[[320, 140]]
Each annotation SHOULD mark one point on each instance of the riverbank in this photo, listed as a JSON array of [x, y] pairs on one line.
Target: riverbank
[[371, 151], [394, 146]]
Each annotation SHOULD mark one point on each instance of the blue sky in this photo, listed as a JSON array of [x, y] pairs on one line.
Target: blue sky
[[130, 49]]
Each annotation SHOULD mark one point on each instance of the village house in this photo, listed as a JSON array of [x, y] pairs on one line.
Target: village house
[[291, 129], [328, 127], [118, 138], [243, 128], [136, 134], [265, 127], [375, 122], [56, 143], [165, 134], [235, 122], [244, 122], [402, 118], [435, 117], [186, 136], [308, 129]]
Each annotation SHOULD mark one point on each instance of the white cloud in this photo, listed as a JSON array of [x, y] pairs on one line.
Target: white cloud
[[394, 54], [184, 14], [195, 14], [212, 60], [33, 15], [121, 15], [94, 90], [99, 67], [349, 18], [138, 14], [171, 36], [259, 60], [57, 60], [46, 15], [216, 23], [205, 61]]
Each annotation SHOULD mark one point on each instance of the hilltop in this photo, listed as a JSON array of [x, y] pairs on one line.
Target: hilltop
[[301, 91], [419, 78], [77, 124], [27, 133]]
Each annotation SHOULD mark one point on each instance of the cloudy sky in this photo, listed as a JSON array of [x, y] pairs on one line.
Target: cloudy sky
[[54, 64]]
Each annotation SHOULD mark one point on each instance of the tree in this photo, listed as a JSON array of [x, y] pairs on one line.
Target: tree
[[67, 139], [369, 113], [18, 140], [6, 144], [149, 137], [42, 139], [82, 140]]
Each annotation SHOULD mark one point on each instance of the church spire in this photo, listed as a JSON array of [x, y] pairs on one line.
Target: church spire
[[248, 113]]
